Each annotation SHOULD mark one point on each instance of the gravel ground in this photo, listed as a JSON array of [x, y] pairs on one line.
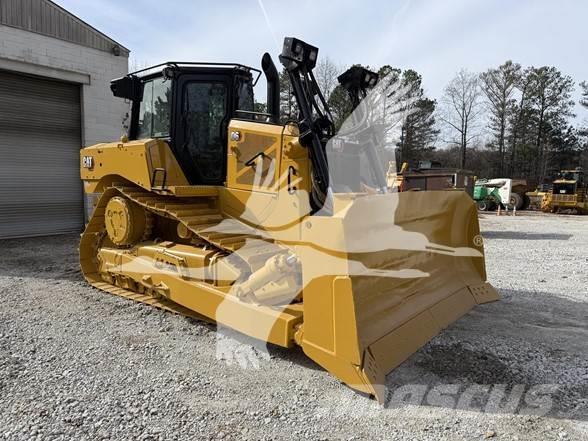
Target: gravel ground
[[76, 363]]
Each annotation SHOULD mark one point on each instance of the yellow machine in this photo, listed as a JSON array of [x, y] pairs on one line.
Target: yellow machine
[[569, 192], [212, 210]]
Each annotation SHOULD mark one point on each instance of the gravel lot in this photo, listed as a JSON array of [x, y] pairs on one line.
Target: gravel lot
[[76, 363]]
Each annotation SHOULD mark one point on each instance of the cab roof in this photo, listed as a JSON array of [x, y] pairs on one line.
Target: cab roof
[[188, 66]]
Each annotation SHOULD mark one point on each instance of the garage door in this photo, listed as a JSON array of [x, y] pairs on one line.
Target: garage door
[[40, 138]]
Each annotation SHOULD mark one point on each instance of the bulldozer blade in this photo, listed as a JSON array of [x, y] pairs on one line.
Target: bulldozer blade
[[408, 277], [379, 277]]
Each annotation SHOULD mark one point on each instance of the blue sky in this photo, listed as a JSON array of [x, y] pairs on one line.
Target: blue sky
[[435, 37]]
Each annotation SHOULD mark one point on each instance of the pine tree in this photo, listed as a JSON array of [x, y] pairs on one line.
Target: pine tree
[[583, 132], [288, 105], [551, 98], [521, 119], [584, 99], [340, 105], [406, 99], [565, 147], [418, 132], [498, 86]]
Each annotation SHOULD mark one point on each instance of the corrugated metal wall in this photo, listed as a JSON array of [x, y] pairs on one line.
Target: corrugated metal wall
[[47, 18], [40, 138]]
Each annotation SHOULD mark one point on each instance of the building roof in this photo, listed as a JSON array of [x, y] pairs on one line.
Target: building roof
[[47, 18]]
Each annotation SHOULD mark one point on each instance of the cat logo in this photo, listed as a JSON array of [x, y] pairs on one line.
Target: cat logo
[[88, 162]]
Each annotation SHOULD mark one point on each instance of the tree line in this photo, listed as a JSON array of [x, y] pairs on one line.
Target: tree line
[[508, 121]]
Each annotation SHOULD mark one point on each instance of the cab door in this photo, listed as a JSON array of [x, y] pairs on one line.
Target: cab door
[[202, 117]]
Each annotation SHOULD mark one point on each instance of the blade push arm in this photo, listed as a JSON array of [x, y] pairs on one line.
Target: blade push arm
[[315, 119]]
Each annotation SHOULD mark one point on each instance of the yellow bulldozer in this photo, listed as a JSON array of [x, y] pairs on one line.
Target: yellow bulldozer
[[569, 191], [211, 209]]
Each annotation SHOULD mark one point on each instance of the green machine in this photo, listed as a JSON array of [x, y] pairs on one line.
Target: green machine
[[489, 193], [509, 193]]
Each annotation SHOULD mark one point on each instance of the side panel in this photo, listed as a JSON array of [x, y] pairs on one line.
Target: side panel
[[254, 154], [140, 162]]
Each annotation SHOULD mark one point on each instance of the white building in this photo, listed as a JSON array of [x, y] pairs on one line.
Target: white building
[[55, 97]]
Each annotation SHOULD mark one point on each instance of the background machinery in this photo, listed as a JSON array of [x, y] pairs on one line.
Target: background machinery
[[536, 196], [211, 210], [430, 175], [489, 193], [510, 193], [568, 192]]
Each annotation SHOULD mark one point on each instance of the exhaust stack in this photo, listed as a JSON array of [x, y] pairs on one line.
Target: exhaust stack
[[273, 87]]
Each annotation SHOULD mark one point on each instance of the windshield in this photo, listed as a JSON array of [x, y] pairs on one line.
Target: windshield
[[571, 176]]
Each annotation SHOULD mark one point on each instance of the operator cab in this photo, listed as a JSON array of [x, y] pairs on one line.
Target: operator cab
[[568, 181], [189, 105], [576, 175]]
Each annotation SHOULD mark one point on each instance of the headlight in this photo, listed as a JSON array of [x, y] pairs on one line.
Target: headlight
[[299, 53]]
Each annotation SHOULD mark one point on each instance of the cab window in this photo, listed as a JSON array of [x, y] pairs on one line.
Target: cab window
[[154, 111], [245, 96]]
